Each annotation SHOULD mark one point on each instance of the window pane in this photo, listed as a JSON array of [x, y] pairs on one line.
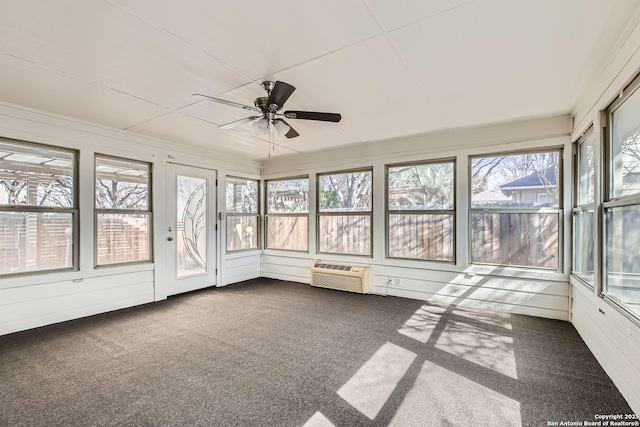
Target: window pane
[[288, 232], [35, 241], [33, 175], [586, 172], [512, 181], [583, 249], [421, 187], [242, 195], [242, 232], [122, 238], [345, 234], [122, 184], [520, 239], [288, 196], [625, 148], [345, 192], [421, 236], [622, 256]]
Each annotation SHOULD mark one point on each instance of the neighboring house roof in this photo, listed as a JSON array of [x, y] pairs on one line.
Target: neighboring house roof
[[532, 180], [491, 196]]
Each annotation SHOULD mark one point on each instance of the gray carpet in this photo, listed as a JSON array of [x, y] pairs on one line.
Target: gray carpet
[[273, 353]]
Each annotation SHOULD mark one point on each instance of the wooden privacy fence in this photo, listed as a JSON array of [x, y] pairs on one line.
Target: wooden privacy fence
[[288, 232], [120, 241], [525, 239], [345, 234], [242, 232], [421, 236], [34, 241]]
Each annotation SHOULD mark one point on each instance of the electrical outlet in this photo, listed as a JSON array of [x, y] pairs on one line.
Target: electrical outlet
[[397, 281]]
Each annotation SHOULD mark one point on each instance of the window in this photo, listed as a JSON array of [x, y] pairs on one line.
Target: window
[[344, 212], [583, 211], [123, 211], [287, 219], [510, 223], [242, 214], [421, 212], [38, 208], [622, 203]]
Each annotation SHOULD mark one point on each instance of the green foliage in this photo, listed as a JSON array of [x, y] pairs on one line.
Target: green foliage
[[422, 186], [329, 199]]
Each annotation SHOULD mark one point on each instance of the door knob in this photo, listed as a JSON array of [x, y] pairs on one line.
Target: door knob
[[169, 238]]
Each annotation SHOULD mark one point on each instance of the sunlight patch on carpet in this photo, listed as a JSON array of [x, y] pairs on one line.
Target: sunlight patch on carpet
[[420, 325], [440, 397], [370, 388], [318, 420]]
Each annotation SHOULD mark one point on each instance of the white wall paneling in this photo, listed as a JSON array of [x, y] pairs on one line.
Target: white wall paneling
[[494, 289], [27, 307], [515, 290], [542, 298], [621, 66], [240, 266], [525, 134], [545, 73], [611, 337], [280, 266], [34, 300]]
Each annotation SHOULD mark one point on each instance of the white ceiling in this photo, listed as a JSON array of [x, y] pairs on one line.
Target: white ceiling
[[391, 67]]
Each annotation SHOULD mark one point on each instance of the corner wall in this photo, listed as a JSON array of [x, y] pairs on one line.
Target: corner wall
[[614, 338], [513, 290], [33, 300]]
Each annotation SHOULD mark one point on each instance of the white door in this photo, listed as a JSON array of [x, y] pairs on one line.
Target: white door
[[191, 231]]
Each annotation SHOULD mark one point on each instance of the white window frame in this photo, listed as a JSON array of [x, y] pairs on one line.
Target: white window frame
[[285, 215], [320, 214], [148, 212], [256, 214], [579, 207], [558, 211], [73, 210], [451, 212], [611, 202]]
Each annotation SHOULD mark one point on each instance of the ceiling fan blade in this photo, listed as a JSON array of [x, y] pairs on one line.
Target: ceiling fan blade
[[292, 132], [313, 115], [239, 122], [279, 94], [231, 103]]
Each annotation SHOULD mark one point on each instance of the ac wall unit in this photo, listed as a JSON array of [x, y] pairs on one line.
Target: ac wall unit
[[352, 278]]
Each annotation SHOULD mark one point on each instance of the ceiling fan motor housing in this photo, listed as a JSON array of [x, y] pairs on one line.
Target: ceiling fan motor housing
[[268, 106], [261, 103]]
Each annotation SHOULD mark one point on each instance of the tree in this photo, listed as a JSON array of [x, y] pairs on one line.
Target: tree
[[421, 186], [56, 192], [349, 191], [481, 169], [51, 189], [15, 190], [121, 194], [490, 173]]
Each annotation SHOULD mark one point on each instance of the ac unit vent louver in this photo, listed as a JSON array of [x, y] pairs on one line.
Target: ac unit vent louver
[[352, 278]]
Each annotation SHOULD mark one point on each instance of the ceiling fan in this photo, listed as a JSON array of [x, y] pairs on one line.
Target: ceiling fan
[[268, 109]]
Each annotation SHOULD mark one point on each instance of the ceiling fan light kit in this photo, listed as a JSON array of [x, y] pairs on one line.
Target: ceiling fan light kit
[[269, 109], [261, 126], [281, 127]]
